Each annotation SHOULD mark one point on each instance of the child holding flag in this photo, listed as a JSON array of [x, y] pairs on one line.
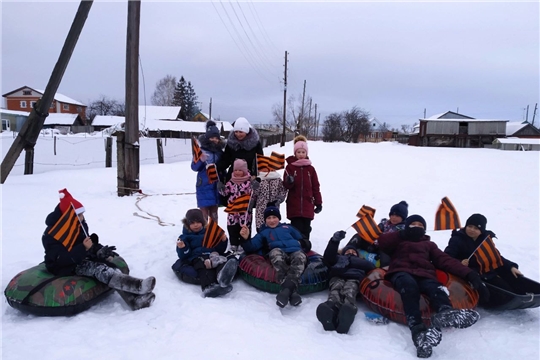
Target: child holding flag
[[473, 246]]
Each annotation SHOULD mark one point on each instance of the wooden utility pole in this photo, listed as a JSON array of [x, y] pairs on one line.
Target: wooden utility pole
[[316, 130], [27, 137], [130, 180], [300, 123], [534, 113], [283, 135], [527, 116], [210, 110]]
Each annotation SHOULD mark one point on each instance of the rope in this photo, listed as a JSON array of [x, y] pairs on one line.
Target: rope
[[152, 216]]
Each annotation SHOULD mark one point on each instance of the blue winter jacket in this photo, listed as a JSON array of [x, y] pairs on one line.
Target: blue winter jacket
[[207, 194], [194, 247], [283, 236]]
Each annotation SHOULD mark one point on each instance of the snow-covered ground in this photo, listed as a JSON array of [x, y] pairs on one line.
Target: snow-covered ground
[[246, 324]]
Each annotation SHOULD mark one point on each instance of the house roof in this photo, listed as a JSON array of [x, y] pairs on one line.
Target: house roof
[[158, 112], [515, 140], [514, 126], [14, 112], [107, 120], [60, 119], [181, 125], [438, 116], [58, 97], [465, 120]]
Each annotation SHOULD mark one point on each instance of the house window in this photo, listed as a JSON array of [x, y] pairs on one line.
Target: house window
[[52, 105], [27, 92], [79, 109], [32, 104], [65, 106], [23, 104]]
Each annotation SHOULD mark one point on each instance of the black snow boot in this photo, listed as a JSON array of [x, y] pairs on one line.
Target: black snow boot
[[425, 339], [137, 302], [327, 313], [123, 282], [215, 290], [345, 318], [287, 288], [226, 275], [295, 299], [460, 319]]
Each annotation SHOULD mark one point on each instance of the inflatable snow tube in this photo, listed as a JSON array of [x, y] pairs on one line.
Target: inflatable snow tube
[[38, 292], [257, 271], [186, 273], [501, 299], [380, 296]]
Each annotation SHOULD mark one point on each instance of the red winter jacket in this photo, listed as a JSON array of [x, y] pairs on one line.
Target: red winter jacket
[[419, 258], [304, 194]]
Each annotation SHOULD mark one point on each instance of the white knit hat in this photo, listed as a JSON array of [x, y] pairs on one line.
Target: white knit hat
[[242, 124]]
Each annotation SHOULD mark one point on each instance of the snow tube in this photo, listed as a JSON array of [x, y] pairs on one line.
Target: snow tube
[[38, 292], [186, 273], [257, 271], [380, 296], [512, 301]]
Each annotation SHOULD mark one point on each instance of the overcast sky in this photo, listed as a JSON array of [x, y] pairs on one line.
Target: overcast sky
[[392, 59]]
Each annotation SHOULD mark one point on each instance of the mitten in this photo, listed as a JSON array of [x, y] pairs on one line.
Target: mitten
[[220, 185], [318, 209], [477, 284], [94, 238], [106, 252], [338, 236], [255, 184], [279, 200], [414, 233], [290, 179]]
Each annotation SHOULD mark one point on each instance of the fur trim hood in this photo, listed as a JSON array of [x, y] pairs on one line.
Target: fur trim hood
[[250, 141]]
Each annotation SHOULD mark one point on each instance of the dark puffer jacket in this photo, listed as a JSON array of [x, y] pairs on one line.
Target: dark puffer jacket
[[419, 258], [345, 266], [194, 245], [246, 149], [304, 194], [461, 246]]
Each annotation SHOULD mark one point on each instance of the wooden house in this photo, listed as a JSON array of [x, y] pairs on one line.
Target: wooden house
[[522, 130]]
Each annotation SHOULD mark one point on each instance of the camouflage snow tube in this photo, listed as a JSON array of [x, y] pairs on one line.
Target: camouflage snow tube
[[257, 271], [38, 292]]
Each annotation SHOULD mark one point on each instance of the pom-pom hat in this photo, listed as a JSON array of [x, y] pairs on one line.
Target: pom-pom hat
[[401, 209], [66, 200], [211, 129]]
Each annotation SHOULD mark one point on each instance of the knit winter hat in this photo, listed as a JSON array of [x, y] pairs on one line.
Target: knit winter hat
[[477, 220], [241, 164], [66, 200], [194, 215], [242, 124], [211, 129], [414, 218], [401, 209], [300, 145], [349, 247], [270, 210]]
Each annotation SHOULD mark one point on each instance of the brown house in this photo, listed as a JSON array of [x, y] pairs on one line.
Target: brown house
[[24, 98]]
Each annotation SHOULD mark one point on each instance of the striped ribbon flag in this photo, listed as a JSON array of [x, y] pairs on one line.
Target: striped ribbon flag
[[196, 149], [213, 235], [367, 228], [211, 172], [239, 205], [487, 256], [366, 210], [270, 163], [67, 228], [447, 217]]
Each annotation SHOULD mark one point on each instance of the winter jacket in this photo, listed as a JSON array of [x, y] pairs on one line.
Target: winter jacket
[[304, 194], [369, 252], [418, 258], [246, 149], [345, 266], [283, 236], [234, 191], [461, 246], [271, 189], [386, 226], [207, 194], [58, 260], [194, 247]]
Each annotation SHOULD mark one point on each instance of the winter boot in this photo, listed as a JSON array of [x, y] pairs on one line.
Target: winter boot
[[123, 282], [425, 339], [460, 319], [226, 275], [137, 302], [345, 318], [214, 290], [295, 298], [327, 314], [282, 298]]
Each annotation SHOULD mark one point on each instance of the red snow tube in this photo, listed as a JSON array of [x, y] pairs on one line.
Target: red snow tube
[[381, 297]]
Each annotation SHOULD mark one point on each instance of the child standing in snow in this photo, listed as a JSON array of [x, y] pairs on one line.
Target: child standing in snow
[[240, 184], [346, 271], [214, 270], [414, 258], [70, 251], [267, 188], [285, 247], [304, 199]]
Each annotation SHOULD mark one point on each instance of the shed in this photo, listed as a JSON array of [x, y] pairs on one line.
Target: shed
[[514, 143], [521, 130]]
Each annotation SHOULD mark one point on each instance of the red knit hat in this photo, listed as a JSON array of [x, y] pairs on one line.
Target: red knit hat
[[66, 200]]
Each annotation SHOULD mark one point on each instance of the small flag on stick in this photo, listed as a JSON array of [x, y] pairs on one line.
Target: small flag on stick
[[367, 228], [196, 149], [487, 256], [447, 217], [270, 163], [366, 210], [213, 235], [239, 205], [67, 228], [212, 174]]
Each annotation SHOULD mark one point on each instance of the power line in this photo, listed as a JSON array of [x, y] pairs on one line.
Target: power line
[[261, 27]]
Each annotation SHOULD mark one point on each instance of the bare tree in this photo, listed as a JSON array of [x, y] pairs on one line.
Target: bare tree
[[408, 129], [299, 119], [164, 93], [332, 130], [105, 106], [346, 126]]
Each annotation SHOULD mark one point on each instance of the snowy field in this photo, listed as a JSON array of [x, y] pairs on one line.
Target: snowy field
[[247, 324]]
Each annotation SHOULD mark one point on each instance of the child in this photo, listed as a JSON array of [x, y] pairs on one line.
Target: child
[[240, 184], [267, 188], [414, 258], [212, 150], [284, 246], [304, 199], [214, 270], [465, 242], [346, 271], [70, 251], [398, 214]]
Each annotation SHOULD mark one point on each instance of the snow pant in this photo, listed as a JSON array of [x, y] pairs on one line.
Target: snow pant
[[234, 234], [288, 266], [210, 212], [100, 271], [303, 225], [343, 291], [207, 276], [410, 287]]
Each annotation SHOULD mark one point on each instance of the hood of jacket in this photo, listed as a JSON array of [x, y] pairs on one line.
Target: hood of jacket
[[248, 143]]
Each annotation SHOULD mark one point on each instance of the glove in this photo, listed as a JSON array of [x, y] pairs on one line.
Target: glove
[[106, 252], [306, 245], [255, 184], [279, 200], [413, 233], [220, 185], [338, 236], [477, 284], [94, 238], [318, 209], [290, 179]]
